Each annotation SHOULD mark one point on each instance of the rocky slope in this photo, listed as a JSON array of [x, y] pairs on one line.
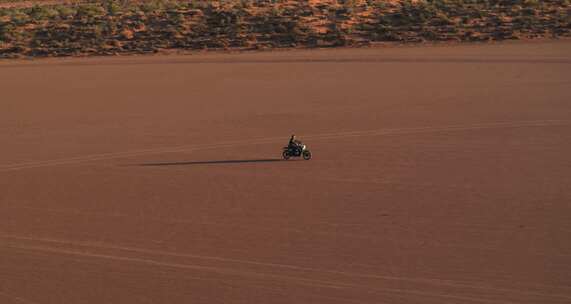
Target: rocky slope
[[76, 28]]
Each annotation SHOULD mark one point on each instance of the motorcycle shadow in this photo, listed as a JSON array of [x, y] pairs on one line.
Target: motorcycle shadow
[[212, 162]]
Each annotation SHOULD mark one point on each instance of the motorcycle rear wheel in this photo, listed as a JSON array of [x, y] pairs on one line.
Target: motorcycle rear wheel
[[286, 155]]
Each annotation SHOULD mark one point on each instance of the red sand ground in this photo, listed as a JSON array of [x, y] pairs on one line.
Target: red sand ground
[[440, 175]]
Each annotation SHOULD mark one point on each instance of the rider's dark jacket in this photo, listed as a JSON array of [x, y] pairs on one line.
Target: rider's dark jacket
[[294, 143]]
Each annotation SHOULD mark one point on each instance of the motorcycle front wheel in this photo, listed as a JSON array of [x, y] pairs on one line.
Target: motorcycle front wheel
[[306, 155]]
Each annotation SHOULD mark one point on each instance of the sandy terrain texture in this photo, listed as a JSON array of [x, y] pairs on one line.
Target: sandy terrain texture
[[439, 175]]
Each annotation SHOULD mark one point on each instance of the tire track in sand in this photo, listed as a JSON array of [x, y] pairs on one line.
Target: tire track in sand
[[301, 273], [323, 136], [16, 298], [223, 271]]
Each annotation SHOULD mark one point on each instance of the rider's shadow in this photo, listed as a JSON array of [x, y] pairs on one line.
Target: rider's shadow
[[211, 162]]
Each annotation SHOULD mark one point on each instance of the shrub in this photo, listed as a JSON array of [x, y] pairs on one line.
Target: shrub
[[39, 13], [89, 11], [65, 11], [113, 7]]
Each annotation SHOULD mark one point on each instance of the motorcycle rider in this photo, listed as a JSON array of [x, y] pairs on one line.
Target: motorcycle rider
[[295, 144]]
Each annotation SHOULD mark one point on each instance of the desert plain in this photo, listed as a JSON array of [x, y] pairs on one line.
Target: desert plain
[[440, 174]]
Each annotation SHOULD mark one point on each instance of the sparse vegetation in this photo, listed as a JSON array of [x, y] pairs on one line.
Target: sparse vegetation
[[113, 26]]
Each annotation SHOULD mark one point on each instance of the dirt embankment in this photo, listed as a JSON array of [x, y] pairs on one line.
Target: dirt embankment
[[67, 28]]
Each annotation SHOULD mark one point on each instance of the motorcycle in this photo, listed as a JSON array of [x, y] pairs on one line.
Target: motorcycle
[[296, 151]]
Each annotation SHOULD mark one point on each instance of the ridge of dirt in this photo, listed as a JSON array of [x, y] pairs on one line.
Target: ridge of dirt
[[80, 28]]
